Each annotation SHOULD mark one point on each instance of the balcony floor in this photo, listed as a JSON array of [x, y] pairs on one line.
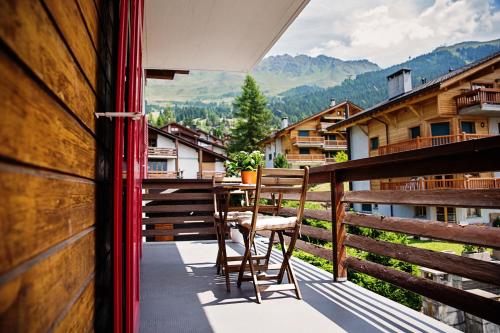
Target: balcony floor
[[180, 292]]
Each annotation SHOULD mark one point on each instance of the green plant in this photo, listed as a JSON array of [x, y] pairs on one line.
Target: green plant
[[341, 156], [472, 249], [280, 161], [243, 161]]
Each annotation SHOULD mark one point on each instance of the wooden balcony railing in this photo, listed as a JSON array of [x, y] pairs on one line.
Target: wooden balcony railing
[[157, 151], [478, 96], [462, 157], [305, 157], [441, 184], [309, 140], [430, 141], [158, 174], [330, 160], [338, 144], [210, 174]]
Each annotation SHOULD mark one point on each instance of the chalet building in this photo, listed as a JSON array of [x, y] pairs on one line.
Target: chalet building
[[180, 156], [308, 142], [197, 136], [461, 105]]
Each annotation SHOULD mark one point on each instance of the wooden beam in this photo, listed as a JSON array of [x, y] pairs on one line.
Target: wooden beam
[[338, 229], [419, 115], [478, 270], [178, 219], [480, 306], [178, 232], [488, 198], [470, 234], [178, 208], [178, 196]]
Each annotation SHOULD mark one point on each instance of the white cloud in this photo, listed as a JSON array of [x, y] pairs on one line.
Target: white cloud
[[387, 32]]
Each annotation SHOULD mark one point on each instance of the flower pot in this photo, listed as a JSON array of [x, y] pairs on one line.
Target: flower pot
[[249, 177]]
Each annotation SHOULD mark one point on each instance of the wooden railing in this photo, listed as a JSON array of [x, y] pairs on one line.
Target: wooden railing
[[463, 157], [441, 184], [210, 174], [430, 141], [159, 174], [339, 144], [306, 157], [157, 151], [319, 140], [478, 96], [330, 160]]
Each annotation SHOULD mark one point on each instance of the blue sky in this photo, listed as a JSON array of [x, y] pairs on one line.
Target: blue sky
[[387, 31]]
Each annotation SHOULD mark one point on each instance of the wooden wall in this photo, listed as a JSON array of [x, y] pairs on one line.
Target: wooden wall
[[56, 69]]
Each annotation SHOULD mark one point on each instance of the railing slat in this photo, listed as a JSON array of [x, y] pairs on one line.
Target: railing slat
[[488, 198], [471, 234], [178, 232], [178, 219], [474, 269], [480, 306], [177, 196], [178, 208]]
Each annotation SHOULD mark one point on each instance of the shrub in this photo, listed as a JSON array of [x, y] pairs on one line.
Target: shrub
[[280, 161]]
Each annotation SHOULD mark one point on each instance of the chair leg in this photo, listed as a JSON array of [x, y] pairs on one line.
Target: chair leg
[[224, 256], [244, 259], [269, 248], [286, 265], [252, 272], [283, 251]]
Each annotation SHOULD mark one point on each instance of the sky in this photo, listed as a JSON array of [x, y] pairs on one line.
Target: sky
[[387, 32]]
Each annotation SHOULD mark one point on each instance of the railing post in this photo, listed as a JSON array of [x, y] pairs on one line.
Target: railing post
[[338, 229]]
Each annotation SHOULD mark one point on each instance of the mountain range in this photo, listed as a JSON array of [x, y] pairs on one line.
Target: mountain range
[[298, 86]]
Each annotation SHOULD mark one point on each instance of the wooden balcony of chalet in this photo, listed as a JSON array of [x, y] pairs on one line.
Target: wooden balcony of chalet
[[335, 145], [159, 152], [430, 141], [210, 174], [483, 101], [306, 158], [162, 174], [472, 183], [180, 289], [308, 141]]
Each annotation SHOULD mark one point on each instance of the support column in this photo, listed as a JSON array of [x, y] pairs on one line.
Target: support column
[[338, 229]]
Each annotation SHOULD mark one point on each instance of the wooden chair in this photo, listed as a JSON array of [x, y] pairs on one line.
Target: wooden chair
[[275, 182]]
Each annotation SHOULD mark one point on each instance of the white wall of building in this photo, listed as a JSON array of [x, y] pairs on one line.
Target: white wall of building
[[188, 161], [359, 149], [219, 150], [219, 166], [164, 142]]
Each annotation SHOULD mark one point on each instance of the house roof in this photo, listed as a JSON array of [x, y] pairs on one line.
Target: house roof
[[426, 87], [188, 143], [196, 134], [319, 114]]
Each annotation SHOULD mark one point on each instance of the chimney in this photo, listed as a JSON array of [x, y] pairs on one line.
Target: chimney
[[332, 102], [424, 80], [284, 122], [399, 82]]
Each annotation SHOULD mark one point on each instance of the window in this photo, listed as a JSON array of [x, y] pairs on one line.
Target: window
[[468, 127], [374, 143], [414, 132], [270, 157], [366, 207], [420, 211], [446, 214], [332, 137], [303, 133], [157, 165], [304, 151], [479, 85], [473, 212]]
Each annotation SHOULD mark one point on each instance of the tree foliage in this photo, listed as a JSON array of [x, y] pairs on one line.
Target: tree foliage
[[280, 161], [253, 118]]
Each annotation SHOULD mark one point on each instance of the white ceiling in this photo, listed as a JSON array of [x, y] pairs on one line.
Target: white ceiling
[[226, 35]]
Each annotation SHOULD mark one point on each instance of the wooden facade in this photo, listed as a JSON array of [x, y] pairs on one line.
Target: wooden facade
[[56, 65]]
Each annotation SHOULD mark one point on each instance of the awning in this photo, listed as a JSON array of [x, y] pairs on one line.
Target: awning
[[226, 35]]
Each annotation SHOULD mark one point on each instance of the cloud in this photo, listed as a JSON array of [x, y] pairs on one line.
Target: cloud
[[387, 32]]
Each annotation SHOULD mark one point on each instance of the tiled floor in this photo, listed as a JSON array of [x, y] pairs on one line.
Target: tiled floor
[[180, 292]]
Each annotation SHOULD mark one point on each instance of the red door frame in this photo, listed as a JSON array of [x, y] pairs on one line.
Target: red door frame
[[127, 251]]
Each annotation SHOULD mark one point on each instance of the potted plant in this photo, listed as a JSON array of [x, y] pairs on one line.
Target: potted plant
[[476, 252], [247, 164]]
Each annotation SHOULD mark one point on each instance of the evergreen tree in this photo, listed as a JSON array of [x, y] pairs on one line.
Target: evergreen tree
[[253, 118]]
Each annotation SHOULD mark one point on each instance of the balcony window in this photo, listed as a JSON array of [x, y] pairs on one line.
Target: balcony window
[[157, 165], [374, 143], [331, 137], [303, 133], [415, 132], [473, 212], [304, 151], [366, 208], [468, 127]]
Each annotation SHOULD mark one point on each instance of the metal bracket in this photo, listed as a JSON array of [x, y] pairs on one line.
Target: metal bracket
[[133, 115]]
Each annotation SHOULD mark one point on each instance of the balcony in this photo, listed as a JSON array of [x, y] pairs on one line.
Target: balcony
[[430, 141], [483, 102], [157, 152], [442, 184], [335, 145], [159, 174], [306, 158], [210, 174], [180, 289], [308, 141]]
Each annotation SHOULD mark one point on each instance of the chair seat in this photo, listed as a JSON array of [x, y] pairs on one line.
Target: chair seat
[[266, 222], [234, 216]]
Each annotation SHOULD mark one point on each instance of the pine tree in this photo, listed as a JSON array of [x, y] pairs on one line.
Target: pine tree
[[253, 118]]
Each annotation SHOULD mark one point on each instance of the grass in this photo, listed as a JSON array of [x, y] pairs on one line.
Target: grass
[[436, 245]]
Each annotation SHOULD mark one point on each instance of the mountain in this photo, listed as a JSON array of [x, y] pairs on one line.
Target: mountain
[[369, 88], [274, 75]]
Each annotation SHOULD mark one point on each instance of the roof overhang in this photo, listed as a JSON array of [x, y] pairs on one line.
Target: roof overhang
[[225, 35]]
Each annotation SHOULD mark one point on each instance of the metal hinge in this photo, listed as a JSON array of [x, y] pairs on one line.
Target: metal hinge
[[133, 115]]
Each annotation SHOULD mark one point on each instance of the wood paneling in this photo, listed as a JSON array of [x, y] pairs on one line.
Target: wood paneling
[[70, 22], [35, 295], [80, 318], [48, 208], [27, 29], [35, 129], [91, 17]]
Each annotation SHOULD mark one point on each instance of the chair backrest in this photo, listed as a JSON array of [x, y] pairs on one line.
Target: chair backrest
[[274, 183]]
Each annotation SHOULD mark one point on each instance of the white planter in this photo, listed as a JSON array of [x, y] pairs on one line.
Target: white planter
[[236, 236], [478, 255], [496, 254]]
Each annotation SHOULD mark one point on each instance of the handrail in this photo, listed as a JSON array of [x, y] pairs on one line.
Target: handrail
[[160, 151], [429, 141], [433, 184], [308, 139], [306, 157], [478, 96], [336, 143]]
